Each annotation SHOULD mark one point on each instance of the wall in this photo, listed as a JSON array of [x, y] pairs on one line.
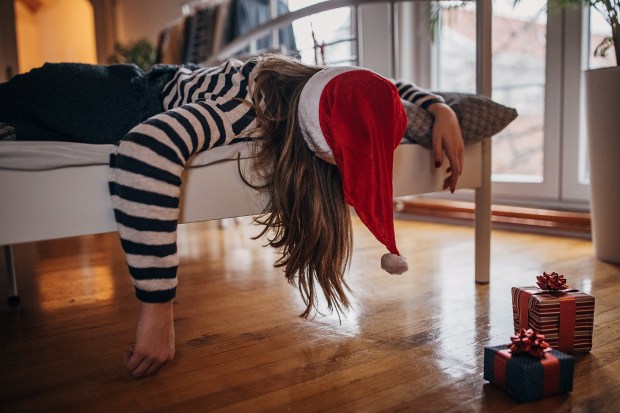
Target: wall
[[375, 38], [60, 31], [63, 30], [8, 41], [29, 51], [144, 18]]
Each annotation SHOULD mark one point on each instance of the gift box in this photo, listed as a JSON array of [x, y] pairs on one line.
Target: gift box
[[563, 315], [526, 377]]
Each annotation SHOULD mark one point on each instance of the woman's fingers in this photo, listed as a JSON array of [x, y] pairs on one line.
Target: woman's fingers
[[448, 138], [450, 183], [135, 363], [152, 369], [128, 355], [140, 365], [438, 152]]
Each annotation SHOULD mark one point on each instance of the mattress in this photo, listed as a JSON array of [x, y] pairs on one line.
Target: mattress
[[41, 156], [56, 189]]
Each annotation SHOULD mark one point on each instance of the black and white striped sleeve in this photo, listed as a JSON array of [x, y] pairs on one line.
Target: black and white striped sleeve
[[416, 95], [145, 185]]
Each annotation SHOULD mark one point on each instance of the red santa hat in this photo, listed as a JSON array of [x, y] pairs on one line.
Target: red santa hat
[[354, 119]]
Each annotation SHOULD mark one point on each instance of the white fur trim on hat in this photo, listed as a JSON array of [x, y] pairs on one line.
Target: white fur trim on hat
[[394, 264], [308, 110]]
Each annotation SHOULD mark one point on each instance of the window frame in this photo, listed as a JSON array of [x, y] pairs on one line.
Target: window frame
[[563, 148]]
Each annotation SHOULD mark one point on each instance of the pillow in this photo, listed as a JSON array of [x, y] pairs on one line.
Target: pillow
[[479, 117]]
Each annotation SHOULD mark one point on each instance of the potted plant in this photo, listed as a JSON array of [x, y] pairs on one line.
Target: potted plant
[[602, 90], [141, 53], [610, 10]]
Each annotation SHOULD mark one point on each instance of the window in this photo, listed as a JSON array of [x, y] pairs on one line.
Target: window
[[324, 38], [519, 46], [540, 159], [538, 62]]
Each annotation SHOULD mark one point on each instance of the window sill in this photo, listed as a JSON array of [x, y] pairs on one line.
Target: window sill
[[573, 224]]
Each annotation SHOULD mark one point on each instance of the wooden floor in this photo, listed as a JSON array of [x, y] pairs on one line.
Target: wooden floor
[[413, 343]]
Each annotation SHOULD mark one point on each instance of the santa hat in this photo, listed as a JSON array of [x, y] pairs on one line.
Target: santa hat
[[354, 119]]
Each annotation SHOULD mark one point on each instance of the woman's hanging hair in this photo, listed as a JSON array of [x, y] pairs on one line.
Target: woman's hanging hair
[[306, 218]]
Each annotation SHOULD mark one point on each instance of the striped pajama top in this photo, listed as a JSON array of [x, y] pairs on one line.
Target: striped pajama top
[[203, 109]]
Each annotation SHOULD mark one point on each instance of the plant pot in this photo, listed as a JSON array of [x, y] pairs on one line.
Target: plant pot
[[603, 120]]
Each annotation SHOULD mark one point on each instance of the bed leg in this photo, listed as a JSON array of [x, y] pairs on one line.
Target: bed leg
[[13, 299], [483, 219], [484, 86]]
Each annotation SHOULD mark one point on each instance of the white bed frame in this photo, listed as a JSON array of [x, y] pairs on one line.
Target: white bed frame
[[73, 201]]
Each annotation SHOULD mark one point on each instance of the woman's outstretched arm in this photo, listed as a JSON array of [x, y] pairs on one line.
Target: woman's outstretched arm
[[418, 96], [205, 108], [448, 139], [145, 185], [447, 136]]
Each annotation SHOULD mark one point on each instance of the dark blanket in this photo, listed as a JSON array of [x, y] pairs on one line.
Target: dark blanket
[[81, 103]]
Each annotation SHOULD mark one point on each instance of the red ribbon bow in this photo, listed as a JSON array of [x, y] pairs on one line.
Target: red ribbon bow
[[529, 342], [534, 344], [553, 281]]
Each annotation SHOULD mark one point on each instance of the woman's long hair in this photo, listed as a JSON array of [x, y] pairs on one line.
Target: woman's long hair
[[306, 219]]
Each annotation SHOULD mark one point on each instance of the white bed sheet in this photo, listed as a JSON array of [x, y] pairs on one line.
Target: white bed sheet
[[42, 156], [43, 196]]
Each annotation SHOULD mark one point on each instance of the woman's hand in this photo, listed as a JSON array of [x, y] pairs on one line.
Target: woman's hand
[[154, 344], [447, 137]]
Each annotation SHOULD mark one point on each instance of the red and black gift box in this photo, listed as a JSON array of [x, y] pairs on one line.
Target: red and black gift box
[[529, 374], [564, 316]]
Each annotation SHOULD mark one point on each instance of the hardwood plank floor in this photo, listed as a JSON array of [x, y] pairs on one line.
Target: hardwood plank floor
[[412, 343]]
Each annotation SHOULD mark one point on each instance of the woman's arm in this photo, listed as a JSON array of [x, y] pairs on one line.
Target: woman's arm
[[145, 185], [413, 93], [447, 137]]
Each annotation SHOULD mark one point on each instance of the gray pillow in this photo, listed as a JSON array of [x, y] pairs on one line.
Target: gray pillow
[[479, 117]]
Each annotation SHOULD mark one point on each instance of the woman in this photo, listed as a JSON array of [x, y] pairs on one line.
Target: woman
[[326, 139]]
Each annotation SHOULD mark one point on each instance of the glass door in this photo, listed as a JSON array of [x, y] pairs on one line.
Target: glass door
[[525, 76]]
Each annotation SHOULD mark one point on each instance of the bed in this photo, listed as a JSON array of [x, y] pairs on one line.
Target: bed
[[55, 190]]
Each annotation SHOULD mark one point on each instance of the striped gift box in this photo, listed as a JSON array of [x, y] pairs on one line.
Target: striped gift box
[[565, 318]]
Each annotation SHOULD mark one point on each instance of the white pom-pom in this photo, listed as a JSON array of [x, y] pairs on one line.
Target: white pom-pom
[[394, 264]]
